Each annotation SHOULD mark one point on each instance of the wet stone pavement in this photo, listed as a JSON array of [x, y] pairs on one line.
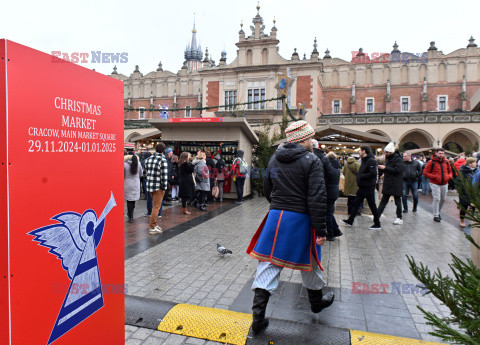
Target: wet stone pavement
[[182, 265]]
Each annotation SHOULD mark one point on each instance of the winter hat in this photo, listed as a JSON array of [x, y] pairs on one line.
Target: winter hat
[[168, 150], [299, 131], [470, 160], [390, 148], [240, 154]]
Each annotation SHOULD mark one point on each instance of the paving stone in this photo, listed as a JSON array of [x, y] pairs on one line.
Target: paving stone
[[142, 333], [200, 277]]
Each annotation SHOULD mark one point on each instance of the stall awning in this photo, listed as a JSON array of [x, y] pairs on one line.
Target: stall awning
[[129, 145], [155, 134], [333, 134], [426, 149], [206, 123]]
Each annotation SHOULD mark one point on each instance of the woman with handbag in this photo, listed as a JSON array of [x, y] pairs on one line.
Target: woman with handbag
[[185, 180], [221, 175], [202, 181]]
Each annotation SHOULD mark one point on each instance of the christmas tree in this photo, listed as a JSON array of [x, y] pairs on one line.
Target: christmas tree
[[460, 292]]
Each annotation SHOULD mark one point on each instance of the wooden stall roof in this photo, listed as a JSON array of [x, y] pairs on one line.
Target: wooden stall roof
[[425, 149], [207, 123], [337, 134], [155, 134]]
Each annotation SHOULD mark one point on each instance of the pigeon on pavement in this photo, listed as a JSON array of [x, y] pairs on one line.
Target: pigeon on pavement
[[222, 250]]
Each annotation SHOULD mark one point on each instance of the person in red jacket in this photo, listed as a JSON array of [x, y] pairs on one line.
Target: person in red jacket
[[439, 171]]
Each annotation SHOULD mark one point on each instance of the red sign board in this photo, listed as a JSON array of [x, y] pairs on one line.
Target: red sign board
[[61, 201], [196, 119]]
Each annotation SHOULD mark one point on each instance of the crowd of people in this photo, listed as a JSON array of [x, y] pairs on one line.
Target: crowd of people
[[198, 181], [398, 177], [165, 178]]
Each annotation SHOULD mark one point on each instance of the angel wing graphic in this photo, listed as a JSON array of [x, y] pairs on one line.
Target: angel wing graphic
[[74, 240]]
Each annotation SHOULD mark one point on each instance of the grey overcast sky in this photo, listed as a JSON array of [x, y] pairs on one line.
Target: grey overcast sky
[[152, 31]]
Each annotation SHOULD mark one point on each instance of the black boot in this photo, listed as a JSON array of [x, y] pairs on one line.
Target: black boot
[[318, 301], [260, 302]]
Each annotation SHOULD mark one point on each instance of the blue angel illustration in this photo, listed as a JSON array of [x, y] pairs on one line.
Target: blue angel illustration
[[74, 240]]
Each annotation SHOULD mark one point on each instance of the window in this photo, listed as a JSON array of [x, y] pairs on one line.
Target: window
[[255, 95], [230, 99], [442, 103], [405, 104], [188, 111], [279, 101], [141, 113], [336, 107], [369, 105]]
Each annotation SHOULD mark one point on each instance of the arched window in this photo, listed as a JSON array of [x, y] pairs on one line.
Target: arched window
[[351, 76], [335, 78], [404, 74], [368, 76], [442, 72], [264, 56], [249, 57], [386, 74], [422, 73], [461, 70]]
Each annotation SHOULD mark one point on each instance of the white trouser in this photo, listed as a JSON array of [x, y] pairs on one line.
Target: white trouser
[[439, 194], [268, 277]]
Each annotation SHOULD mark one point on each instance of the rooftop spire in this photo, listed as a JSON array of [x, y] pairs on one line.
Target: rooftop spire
[[193, 52]]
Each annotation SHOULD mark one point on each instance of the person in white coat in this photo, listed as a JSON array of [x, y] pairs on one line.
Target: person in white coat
[[132, 172]]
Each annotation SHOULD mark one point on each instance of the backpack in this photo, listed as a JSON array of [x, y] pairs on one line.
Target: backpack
[[243, 167]]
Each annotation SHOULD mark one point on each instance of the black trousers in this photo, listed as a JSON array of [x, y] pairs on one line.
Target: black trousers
[[384, 202], [202, 197], [369, 194], [184, 202], [130, 208]]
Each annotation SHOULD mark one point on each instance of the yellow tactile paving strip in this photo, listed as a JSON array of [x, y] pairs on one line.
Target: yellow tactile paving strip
[[366, 338], [224, 326]]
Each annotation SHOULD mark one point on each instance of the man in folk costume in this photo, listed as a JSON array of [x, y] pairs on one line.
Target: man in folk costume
[[295, 227]]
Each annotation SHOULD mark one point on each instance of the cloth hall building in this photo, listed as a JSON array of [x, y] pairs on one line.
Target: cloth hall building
[[416, 100]]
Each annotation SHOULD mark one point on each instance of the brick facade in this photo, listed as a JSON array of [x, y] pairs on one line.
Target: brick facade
[[213, 96], [305, 91]]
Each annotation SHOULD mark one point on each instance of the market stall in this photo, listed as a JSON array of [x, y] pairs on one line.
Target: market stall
[[214, 134]]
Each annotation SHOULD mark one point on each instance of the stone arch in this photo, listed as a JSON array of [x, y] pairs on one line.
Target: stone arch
[[379, 132], [442, 72], [249, 54], [418, 137], [264, 56], [368, 76], [335, 78], [461, 70], [404, 74], [422, 73], [131, 135], [386, 74], [465, 140]]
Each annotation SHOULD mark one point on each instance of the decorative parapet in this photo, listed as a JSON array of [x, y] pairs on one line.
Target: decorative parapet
[[399, 118]]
